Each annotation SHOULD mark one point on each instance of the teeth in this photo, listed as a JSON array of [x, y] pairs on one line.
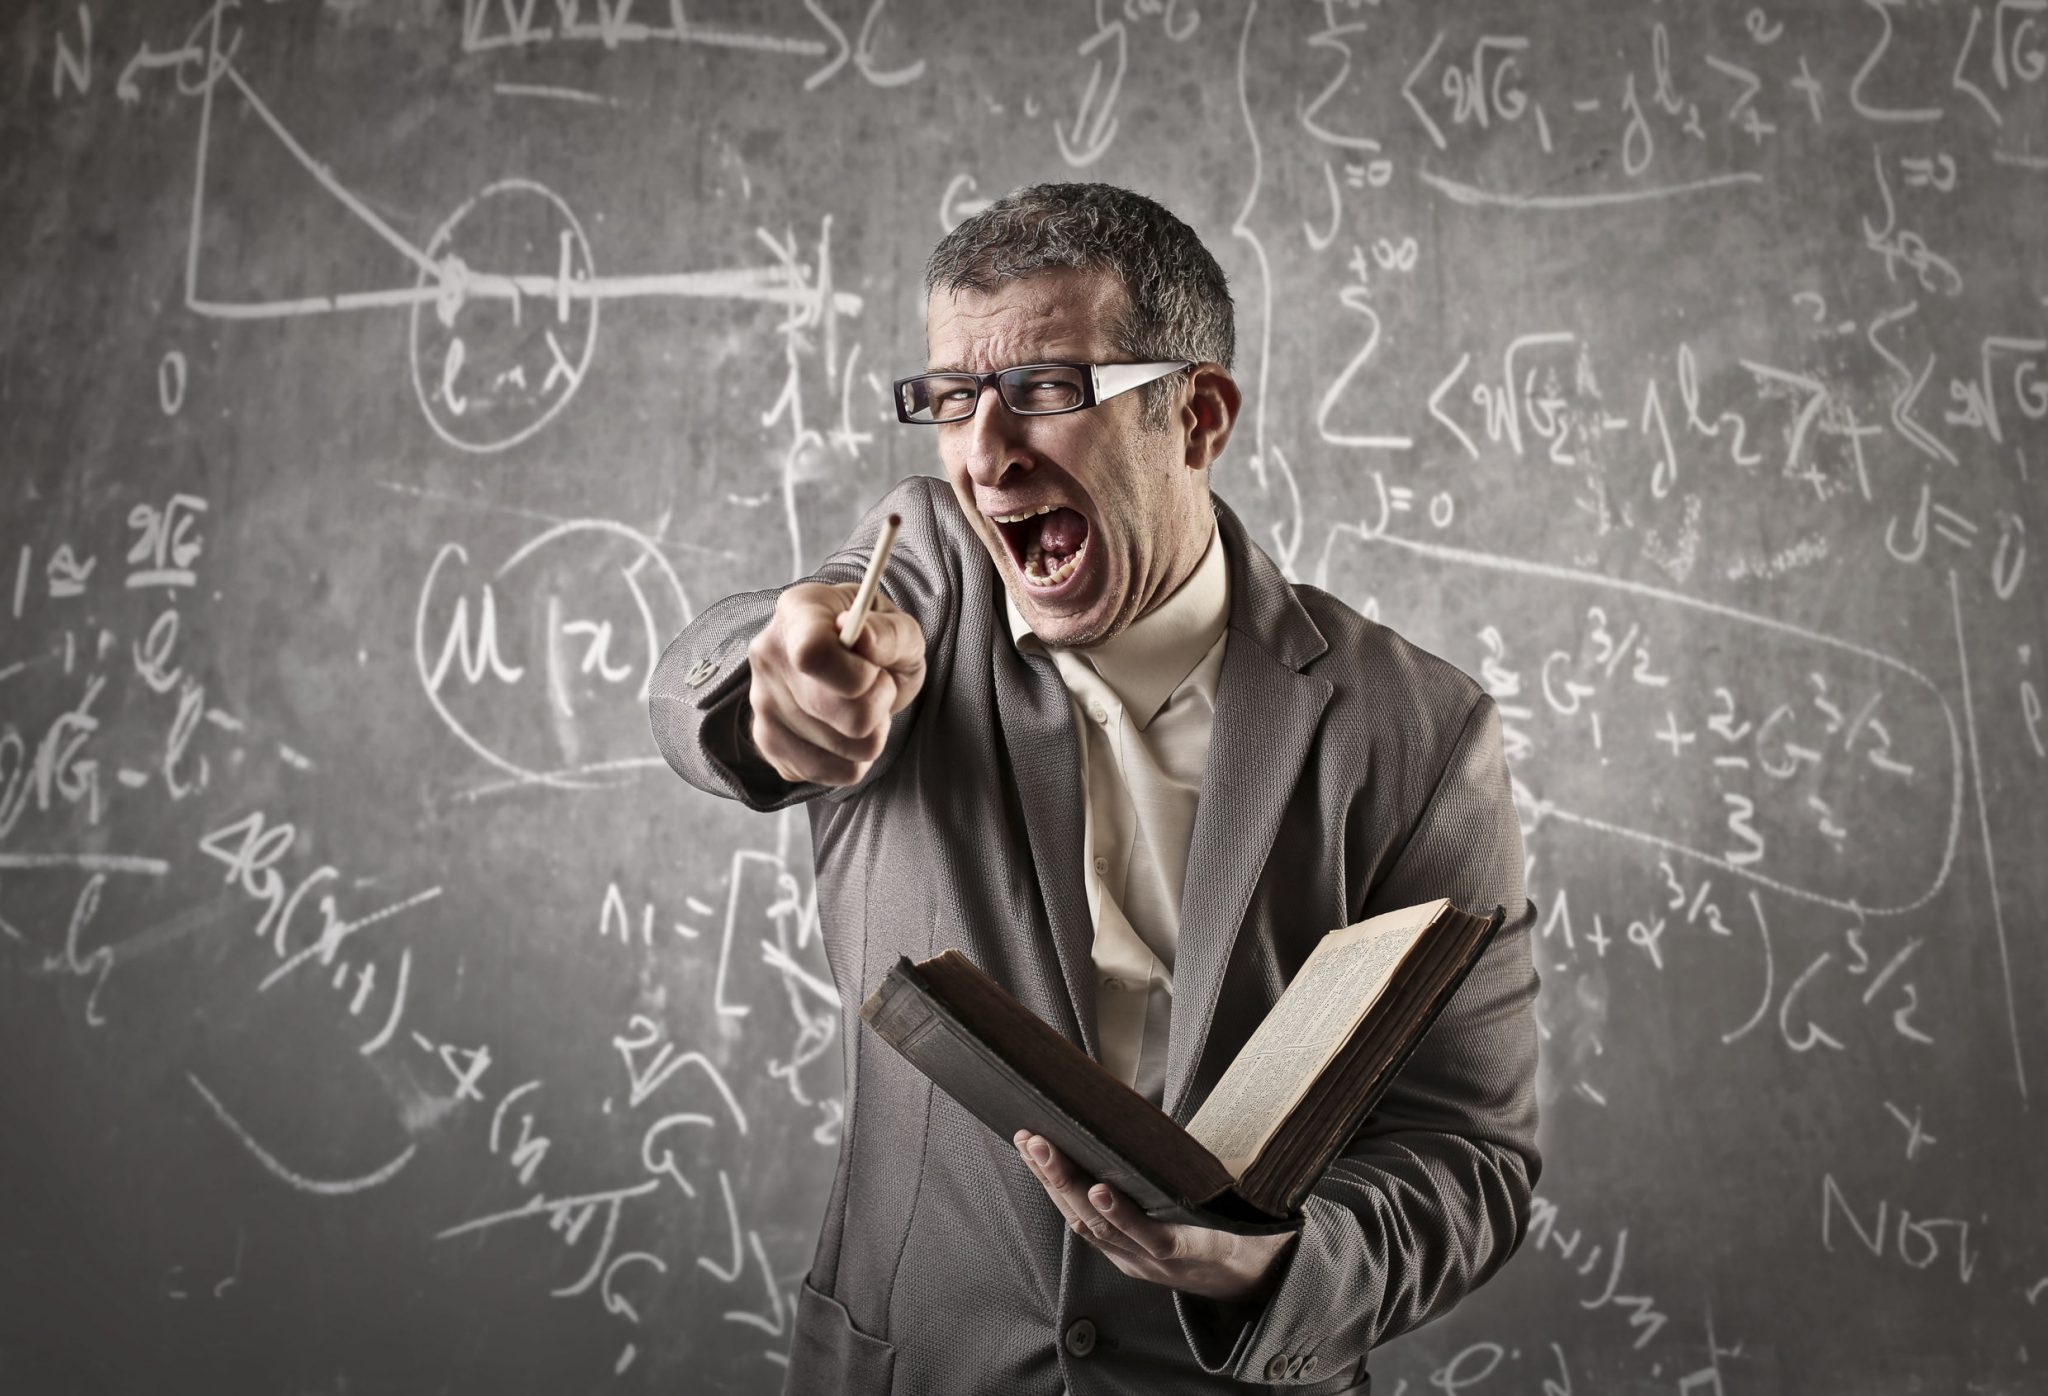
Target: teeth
[[1027, 514]]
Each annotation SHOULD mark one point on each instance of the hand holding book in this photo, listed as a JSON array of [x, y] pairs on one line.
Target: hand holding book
[[1200, 1260], [1298, 1090]]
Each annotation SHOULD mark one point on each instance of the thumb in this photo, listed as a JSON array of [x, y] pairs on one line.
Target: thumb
[[890, 639]]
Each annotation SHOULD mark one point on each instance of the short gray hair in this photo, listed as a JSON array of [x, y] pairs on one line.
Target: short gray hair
[[1178, 300]]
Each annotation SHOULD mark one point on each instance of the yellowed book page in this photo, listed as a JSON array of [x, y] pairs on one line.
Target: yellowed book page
[[1335, 988]]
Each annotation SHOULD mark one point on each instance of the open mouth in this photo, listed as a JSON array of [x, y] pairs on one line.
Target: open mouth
[[1047, 544]]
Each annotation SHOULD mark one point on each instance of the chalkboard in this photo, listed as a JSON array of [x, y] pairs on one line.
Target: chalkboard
[[383, 382]]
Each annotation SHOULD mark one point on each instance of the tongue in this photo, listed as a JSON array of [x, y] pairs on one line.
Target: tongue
[[1062, 532]]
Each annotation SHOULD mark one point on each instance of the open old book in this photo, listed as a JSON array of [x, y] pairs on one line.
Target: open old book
[[1300, 1088]]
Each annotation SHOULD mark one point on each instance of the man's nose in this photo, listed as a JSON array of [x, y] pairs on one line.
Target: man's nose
[[995, 444]]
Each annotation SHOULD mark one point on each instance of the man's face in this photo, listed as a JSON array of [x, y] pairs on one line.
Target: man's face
[[1130, 513]]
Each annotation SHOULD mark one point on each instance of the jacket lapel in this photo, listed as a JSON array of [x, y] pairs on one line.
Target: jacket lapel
[[1267, 713], [1045, 761]]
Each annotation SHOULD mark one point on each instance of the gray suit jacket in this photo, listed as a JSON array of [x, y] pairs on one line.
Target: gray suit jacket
[[1349, 773]]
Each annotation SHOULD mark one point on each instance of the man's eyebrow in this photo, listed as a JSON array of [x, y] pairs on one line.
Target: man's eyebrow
[[1021, 363]]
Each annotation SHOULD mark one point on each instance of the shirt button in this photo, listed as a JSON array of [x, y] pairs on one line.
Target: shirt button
[[1099, 713], [1113, 985], [1081, 1337], [1102, 866]]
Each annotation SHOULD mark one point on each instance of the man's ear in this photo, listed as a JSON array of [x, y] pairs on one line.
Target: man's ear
[[1209, 413]]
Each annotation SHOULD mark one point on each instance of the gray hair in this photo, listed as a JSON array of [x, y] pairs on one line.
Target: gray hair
[[1178, 302]]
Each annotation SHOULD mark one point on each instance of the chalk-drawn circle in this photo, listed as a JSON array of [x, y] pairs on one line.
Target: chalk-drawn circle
[[457, 650], [506, 323], [170, 383]]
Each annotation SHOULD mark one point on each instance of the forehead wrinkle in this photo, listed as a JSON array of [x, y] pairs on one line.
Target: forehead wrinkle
[[1032, 321], [1001, 336]]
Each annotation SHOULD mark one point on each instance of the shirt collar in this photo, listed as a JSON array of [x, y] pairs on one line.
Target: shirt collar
[[1157, 651]]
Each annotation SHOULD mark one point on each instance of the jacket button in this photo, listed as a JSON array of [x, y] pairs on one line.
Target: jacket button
[[1276, 1369], [1081, 1337], [702, 670], [1308, 1365]]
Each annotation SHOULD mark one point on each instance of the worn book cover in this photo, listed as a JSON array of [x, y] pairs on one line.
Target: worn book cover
[[1303, 1083]]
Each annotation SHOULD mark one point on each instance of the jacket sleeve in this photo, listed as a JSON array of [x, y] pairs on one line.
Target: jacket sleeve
[[698, 698], [1432, 1194]]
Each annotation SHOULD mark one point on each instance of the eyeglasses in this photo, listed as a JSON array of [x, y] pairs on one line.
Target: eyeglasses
[[1029, 390]]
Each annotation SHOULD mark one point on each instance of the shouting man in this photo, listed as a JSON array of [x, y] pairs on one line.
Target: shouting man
[[1091, 735]]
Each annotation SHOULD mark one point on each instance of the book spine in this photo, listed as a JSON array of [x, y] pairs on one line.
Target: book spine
[[956, 1060], [895, 1009]]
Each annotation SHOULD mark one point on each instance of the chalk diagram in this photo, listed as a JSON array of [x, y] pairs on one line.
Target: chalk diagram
[[495, 355], [567, 709]]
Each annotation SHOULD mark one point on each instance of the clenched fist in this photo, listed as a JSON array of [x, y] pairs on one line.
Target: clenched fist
[[821, 710]]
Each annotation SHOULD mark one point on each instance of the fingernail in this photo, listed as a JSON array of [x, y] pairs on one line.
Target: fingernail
[[1101, 1198], [1041, 1151]]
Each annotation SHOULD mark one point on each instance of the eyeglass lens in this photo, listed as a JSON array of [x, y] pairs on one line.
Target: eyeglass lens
[[950, 397]]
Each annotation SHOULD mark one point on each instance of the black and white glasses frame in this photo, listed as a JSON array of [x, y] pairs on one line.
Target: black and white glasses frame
[[1029, 390]]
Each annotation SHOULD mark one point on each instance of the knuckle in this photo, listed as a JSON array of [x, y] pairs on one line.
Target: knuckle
[[811, 650], [772, 753], [870, 723], [909, 642], [824, 700], [838, 719], [860, 749], [805, 698], [770, 726], [778, 755], [808, 596]]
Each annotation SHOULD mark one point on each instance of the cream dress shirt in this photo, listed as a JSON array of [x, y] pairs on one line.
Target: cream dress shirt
[[1144, 703]]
